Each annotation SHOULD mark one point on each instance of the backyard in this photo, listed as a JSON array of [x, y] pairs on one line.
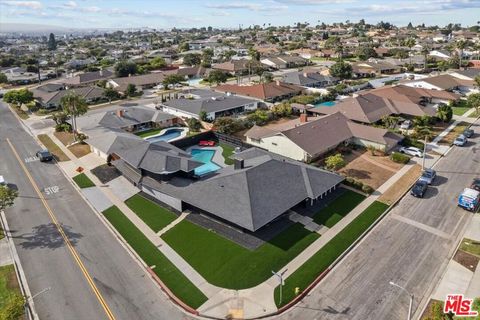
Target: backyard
[[227, 152], [338, 208], [323, 258], [165, 270], [155, 216], [149, 132], [226, 264]]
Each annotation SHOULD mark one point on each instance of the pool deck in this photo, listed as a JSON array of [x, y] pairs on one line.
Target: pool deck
[[182, 135], [217, 156]]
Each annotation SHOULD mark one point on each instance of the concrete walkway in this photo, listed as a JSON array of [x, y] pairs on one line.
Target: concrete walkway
[[5, 256], [173, 224]]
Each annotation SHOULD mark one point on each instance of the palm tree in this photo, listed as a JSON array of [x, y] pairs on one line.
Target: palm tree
[[460, 45], [410, 42], [339, 49], [425, 52], [73, 105]]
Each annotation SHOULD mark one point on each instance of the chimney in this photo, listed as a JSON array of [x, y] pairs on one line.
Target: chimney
[[305, 75], [238, 164], [120, 113], [303, 118], [277, 82]]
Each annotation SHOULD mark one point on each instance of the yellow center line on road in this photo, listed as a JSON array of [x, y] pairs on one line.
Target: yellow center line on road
[[64, 236]]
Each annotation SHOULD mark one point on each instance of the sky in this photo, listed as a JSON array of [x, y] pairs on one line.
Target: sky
[[165, 14]]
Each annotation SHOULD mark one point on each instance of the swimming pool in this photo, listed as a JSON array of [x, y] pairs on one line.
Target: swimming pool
[[167, 135], [325, 104], [205, 156]]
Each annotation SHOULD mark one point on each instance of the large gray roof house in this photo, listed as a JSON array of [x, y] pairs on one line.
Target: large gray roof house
[[259, 188]]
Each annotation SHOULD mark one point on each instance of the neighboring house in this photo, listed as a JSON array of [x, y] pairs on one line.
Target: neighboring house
[[374, 68], [440, 54], [268, 92], [50, 95], [373, 105], [131, 119], [309, 79], [305, 139], [88, 78], [284, 62], [441, 82], [195, 72], [215, 104], [234, 67], [79, 63], [381, 52], [19, 76], [141, 82], [258, 189]]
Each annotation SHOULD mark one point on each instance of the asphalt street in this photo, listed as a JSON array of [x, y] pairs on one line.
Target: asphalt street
[[410, 247], [125, 287]]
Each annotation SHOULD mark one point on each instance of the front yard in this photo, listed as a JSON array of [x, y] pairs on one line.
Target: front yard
[[226, 264], [323, 258], [79, 149], [53, 148], [338, 208], [155, 216], [165, 270], [450, 137]]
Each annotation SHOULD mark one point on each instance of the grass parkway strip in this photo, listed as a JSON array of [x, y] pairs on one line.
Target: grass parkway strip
[[152, 214], [83, 181], [165, 270], [321, 260], [226, 264]]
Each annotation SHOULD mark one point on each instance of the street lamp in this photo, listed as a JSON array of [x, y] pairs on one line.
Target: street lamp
[[411, 298], [280, 279]]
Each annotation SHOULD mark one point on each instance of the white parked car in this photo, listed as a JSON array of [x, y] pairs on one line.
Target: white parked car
[[460, 140], [3, 182], [406, 125], [412, 151]]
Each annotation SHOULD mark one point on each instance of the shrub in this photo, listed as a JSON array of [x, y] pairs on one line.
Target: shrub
[[399, 158], [358, 184], [367, 189], [63, 127], [411, 142], [335, 162]]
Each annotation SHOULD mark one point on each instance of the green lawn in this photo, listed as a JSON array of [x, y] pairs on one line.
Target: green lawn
[[459, 111], [470, 246], [226, 264], [338, 208], [8, 286], [320, 261], [151, 213], [166, 271], [227, 152], [148, 133], [83, 181]]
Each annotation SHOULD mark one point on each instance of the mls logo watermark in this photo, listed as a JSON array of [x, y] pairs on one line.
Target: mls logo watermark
[[459, 306]]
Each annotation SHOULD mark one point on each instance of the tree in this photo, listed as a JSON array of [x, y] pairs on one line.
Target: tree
[[477, 81], [227, 125], [335, 162], [365, 52], [473, 101], [131, 90], [444, 113], [410, 26], [157, 63], [217, 77], [192, 59], [410, 42], [7, 197], [125, 68], [282, 110], [460, 45], [74, 106], [194, 125], [172, 80], [3, 78], [111, 94], [203, 115], [425, 51], [390, 121], [18, 97], [254, 54], [52, 44], [341, 70], [207, 56]]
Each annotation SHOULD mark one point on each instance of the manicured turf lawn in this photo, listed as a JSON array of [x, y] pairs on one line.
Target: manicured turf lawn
[[470, 246], [338, 208], [166, 271], [459, 110], [8, 284], [148, 133], [226, 264], [320, 261], [83, 181], [227, 152], [151, 213]]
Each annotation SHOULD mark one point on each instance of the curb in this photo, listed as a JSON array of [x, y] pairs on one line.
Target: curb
[[22, 280]]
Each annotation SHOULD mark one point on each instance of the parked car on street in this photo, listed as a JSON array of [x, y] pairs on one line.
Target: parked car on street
[[44, 155], [3, 182], [469, 199], [419, 189], [460, 141], [412, 151], [475, 184], [406, 125], [428, 175], [468, 133]]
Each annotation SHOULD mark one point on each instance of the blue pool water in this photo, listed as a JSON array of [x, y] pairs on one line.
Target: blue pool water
[[325, 104], [166, 136], [204, 156]]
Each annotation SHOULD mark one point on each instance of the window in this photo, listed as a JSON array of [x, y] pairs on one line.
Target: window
[[274, 144]]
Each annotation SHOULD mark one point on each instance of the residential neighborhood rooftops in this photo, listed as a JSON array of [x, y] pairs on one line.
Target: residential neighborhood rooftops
[[263, 91], [88, 77]]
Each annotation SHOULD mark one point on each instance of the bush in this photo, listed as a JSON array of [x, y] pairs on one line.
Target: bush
[[335, 162], [358, 184], [411, 142], [367, 189], [399, 158], [63, 127]]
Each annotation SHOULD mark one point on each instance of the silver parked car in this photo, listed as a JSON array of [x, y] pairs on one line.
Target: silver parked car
[[412, 151], [460, 141], [428, 175]]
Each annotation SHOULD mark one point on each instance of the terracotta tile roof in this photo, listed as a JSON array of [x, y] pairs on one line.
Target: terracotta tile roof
[[263, 90]]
